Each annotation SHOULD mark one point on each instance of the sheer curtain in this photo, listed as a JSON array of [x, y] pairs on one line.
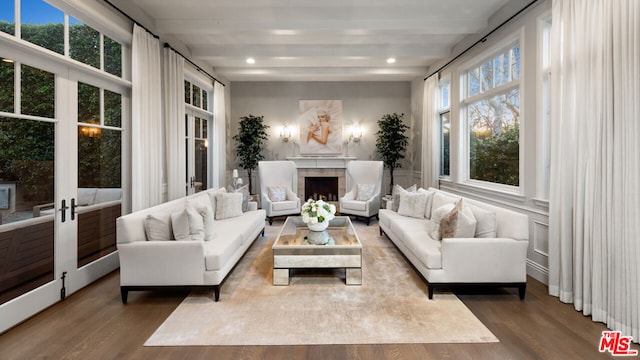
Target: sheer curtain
[[594, 207], [430, 131], [146, 121], [219, 135], [176, 166]]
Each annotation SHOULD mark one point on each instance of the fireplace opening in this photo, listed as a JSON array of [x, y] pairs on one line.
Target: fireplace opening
[[325, 186]]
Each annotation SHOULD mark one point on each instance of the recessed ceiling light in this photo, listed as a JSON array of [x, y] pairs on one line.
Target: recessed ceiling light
[[251, 61], [391, 60]]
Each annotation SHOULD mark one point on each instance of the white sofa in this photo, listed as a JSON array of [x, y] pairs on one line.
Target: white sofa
[[499, 260], [147, 264]]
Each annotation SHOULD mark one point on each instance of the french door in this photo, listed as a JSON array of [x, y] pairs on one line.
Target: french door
[[62, 139], [197, 130]]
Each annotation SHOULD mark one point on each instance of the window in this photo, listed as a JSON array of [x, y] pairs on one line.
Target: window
[[492, 109], [444, 90], [44, 25]]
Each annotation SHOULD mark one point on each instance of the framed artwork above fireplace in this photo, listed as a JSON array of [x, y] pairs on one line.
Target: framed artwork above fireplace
[[320, 127]]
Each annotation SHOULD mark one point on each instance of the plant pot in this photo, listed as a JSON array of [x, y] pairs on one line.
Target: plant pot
[[321, 226]]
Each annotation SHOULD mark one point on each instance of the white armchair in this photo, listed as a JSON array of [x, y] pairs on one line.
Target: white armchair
[[363, 199], [279, 174]]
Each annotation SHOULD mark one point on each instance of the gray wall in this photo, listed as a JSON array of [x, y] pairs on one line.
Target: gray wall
[[362, 102]]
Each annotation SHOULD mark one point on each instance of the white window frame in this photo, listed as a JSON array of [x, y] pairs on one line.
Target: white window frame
[[465, 100]]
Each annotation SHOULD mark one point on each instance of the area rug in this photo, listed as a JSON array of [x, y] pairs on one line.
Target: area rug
[[391, 305]]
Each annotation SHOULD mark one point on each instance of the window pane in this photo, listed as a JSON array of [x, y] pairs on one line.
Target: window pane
[[473, 79], [204, 129], [205, 100], [27, 159], [445, 96], [112, 57], [7, 17], [7, 85], [84, 43], [494, 145], [515, 58], [112, 109], [42, 24], [99, 164], [501, 69], [487, 76], [88, 104], [445, 130], [201, 165], [187, 92], [198, 127], [37, 94], [196, 96]]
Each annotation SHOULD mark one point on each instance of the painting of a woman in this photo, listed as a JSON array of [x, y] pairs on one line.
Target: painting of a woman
[[320, 127]]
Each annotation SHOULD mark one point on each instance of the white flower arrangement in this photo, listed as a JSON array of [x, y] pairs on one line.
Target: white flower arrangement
[[314, 212]]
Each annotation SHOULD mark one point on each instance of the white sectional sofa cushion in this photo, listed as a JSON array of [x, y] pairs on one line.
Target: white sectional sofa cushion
[[495, 255], [146, 264]]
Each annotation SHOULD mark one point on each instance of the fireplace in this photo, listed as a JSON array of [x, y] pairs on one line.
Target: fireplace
[[316, 187]]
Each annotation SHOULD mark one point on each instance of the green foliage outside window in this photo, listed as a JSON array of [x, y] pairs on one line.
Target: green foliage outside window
[[495, 157]]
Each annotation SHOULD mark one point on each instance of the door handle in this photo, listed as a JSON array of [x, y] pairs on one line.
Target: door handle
[[63, 210], [193, 181], [73, 209]]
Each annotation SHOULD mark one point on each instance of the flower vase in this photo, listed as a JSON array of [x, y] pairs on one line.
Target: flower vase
[[321, 226]]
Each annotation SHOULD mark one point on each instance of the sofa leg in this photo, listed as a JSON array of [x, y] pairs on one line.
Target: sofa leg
[[262, 232], [430, 292], [521, 290], [216, 292], [124, 292], [368, 221], [270, 221]]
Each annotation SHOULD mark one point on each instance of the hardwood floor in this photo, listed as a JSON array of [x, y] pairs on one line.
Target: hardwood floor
[[94, 324]]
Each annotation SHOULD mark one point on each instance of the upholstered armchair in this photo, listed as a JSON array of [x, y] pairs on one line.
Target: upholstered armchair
[[363, 199], [278, 183]]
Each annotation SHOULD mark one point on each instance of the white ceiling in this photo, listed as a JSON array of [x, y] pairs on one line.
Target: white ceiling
[[321, 40]]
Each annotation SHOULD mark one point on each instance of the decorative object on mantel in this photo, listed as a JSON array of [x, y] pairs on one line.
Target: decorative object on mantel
[[320, 127], [250, 140], [317, 213], [391, 142]]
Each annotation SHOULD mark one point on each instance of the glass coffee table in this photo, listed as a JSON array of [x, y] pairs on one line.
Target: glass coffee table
[[297, 247]]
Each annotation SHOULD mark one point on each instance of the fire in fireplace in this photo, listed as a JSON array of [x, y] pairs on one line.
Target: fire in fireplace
[[325, 187]]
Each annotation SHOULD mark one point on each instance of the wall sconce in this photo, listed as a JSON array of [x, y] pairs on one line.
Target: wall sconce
[[285, 133], [356, 133]]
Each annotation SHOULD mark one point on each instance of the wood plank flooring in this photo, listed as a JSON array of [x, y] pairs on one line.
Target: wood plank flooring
[[94, 324]]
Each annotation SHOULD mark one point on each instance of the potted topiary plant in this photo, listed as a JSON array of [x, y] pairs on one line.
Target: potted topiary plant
[[391, 142], [250, 140]]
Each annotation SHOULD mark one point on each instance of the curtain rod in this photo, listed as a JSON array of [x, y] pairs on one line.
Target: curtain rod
[[483, 39], [167, 45], [198, 68]]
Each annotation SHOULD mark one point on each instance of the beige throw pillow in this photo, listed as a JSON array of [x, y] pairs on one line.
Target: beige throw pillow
[[187, 224], [412, 204], [395, 195], [365, 191], [277, 193], [228, 205], [456, 223], [158, 227]]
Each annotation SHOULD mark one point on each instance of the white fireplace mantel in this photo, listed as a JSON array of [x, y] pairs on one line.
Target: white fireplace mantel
[[321, 162]]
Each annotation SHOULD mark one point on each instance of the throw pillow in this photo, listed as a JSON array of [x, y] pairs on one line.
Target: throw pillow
[[430, 194], [244, 190], [395, 195], [277, 193], [187, 224], [228, 205], [459, 222], [365, 191], [207, 219], [487, 226], [158, 227], [412, 204]]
